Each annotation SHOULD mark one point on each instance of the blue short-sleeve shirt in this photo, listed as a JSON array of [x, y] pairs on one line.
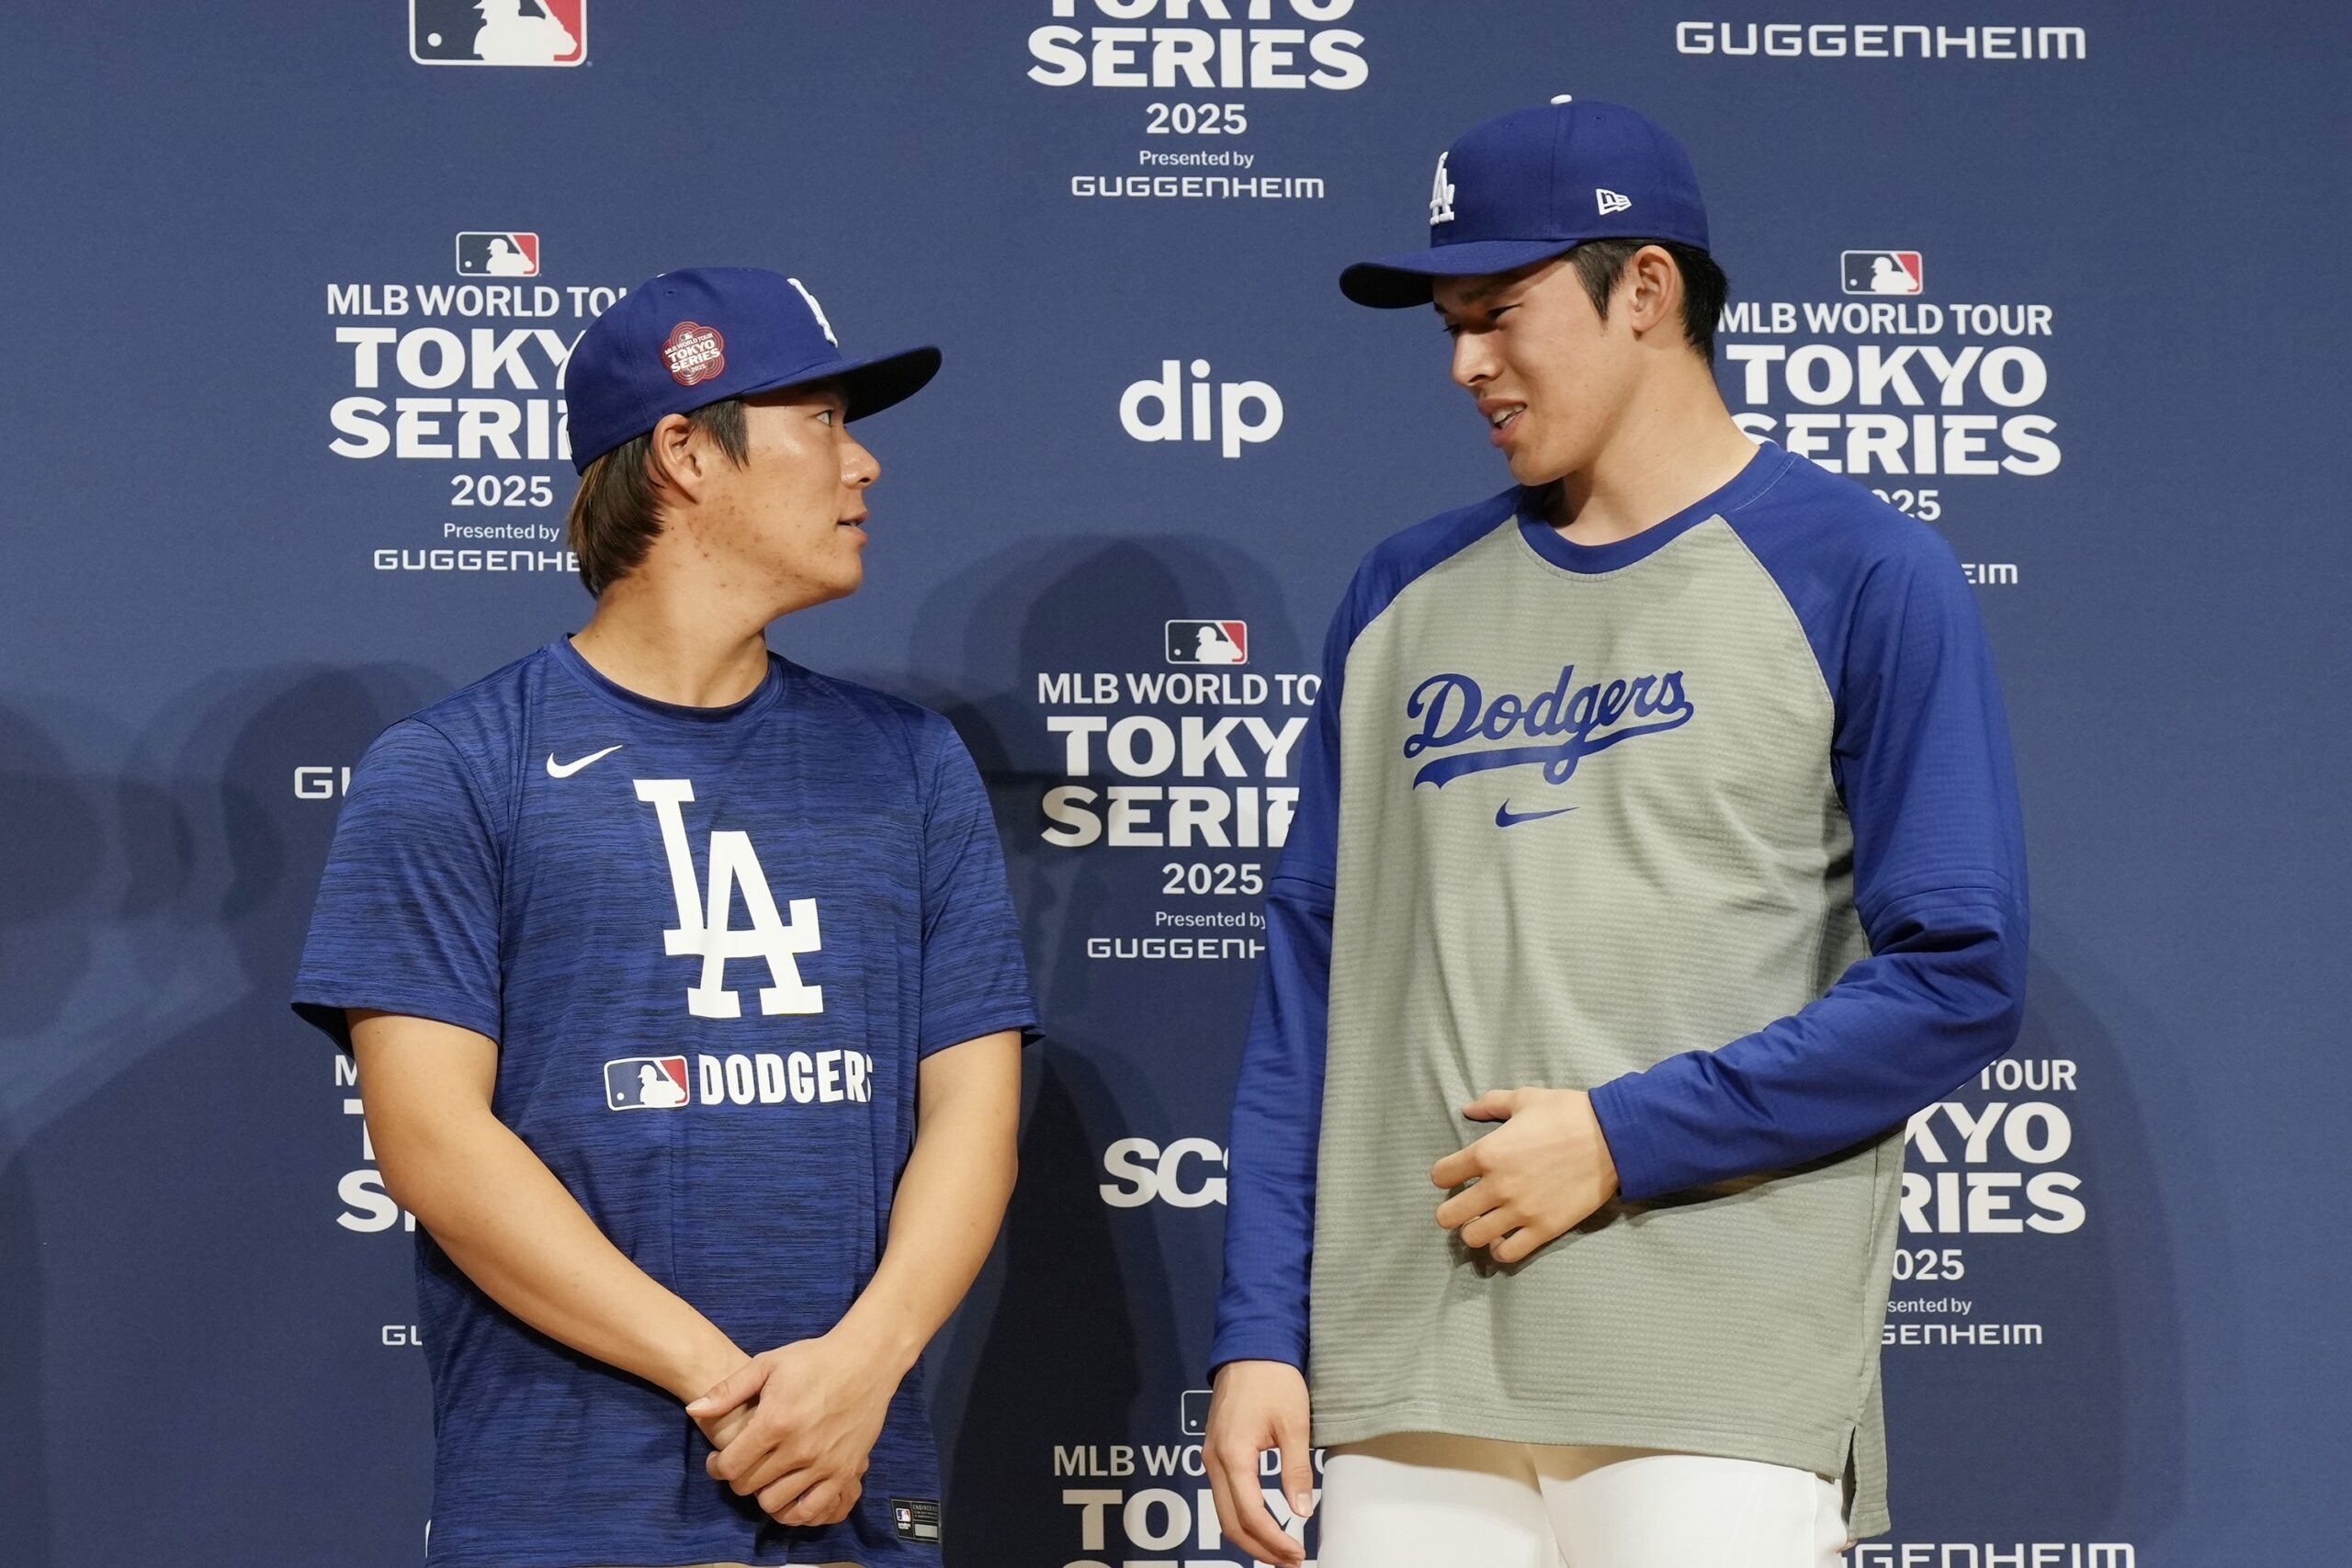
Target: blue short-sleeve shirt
[[713, 945]]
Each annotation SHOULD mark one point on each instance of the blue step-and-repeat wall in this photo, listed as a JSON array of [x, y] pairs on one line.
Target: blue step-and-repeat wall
[[288, 291]]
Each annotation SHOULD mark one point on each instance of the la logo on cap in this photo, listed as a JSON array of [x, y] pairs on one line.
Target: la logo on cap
[[816, 310], [1441, 195]]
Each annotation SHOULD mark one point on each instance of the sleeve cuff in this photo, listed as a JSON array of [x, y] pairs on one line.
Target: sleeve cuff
[[324, 1006], [1259, 1342], [955, 1031], [1632, 1142]]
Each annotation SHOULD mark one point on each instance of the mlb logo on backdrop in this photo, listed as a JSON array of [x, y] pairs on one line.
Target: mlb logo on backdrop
[[1208, 642], [498, 32], [645, 1083], [1882, 272], [498, 256]]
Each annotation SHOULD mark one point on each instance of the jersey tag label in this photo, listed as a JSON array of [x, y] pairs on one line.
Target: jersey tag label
[[915, 1519]]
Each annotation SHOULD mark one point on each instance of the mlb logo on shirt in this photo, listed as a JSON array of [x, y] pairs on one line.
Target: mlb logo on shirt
[[1193, 1413], [1208, 642], [1882, 272], [498, 256], [645, 1083], [915, 1519], [498, 32]]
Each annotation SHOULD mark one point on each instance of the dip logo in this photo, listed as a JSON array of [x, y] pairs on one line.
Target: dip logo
[[1244, 413]]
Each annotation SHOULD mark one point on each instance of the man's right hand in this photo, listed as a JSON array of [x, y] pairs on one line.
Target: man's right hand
[[1258, 1405]]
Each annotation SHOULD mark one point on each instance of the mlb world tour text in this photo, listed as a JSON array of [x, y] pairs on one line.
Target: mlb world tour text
[[430, 382]]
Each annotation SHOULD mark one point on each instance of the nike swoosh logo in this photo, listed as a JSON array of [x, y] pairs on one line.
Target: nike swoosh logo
[[1505, 817], [565, 770]]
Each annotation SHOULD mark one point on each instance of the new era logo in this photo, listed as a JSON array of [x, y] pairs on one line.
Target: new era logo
[[1609, 201], [1882, 272], [645, 1083], [1208, 642], [498, 256], [498, 32]]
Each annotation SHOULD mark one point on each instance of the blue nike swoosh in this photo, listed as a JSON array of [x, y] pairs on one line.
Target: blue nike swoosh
[[1505, 817]]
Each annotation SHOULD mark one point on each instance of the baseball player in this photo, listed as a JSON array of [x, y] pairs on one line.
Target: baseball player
[[1657, 855], [686, 993]]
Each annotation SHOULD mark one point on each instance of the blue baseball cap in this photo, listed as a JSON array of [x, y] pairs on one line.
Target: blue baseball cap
[[1534, 184], [703, 334]]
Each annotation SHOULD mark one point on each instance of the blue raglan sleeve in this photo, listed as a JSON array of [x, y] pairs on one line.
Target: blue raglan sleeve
[[407, 917], [1921, 759], [1278, 1097]]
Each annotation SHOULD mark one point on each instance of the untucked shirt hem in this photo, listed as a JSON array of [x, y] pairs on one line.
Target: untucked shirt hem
[[1824, 1454]]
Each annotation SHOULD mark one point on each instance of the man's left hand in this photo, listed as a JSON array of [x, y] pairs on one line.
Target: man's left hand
[[817, 1406], [1540, 1174]]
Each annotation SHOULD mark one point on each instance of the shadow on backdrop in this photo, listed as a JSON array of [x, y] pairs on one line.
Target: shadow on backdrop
[[57, 872], [1053, 1347], [206, 1313], [2108, 1298]]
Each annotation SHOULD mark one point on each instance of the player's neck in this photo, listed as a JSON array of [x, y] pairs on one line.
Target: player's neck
[[1673, 445], [650, 637]]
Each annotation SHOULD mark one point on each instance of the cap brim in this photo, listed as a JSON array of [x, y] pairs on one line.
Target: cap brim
[[869, 386], [1391, 283]]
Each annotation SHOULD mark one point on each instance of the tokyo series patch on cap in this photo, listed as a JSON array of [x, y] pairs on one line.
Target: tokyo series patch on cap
[[695, 353]]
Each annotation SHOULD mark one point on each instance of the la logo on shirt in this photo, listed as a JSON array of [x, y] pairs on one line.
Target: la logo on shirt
[[704, 928]]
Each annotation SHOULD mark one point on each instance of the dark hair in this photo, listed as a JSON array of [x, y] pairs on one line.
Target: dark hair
[[617, 511], [1600, 263]]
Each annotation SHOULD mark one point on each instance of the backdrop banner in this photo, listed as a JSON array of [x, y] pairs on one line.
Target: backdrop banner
[[290, 293]]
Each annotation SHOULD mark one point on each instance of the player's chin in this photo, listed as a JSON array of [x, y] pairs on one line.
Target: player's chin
[[849, 575], [837, 576], [1534, 461]]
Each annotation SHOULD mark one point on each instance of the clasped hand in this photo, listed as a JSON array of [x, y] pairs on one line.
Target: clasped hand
[[795, 1427], [1530, 1180]]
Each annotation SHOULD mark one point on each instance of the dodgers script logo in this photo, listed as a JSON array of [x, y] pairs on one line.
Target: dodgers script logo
[[1559, 729]]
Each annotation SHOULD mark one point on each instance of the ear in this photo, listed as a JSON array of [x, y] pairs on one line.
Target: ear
[[675, 456], [1652, 291]]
